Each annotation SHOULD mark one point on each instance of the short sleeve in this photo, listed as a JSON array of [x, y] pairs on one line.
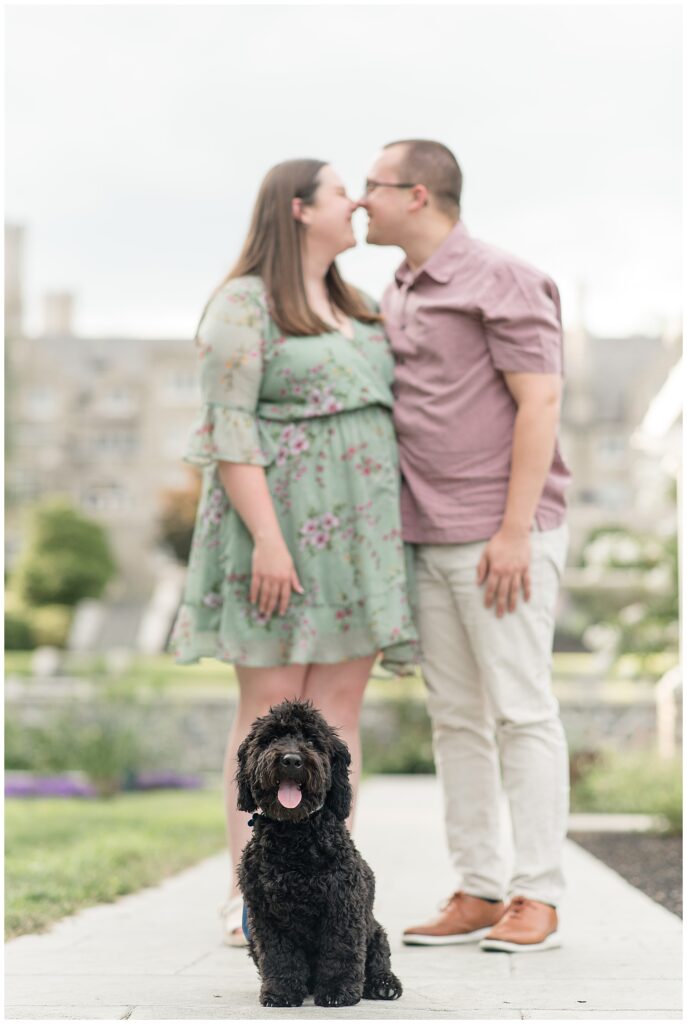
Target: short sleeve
[[229, 342], [522, 320]]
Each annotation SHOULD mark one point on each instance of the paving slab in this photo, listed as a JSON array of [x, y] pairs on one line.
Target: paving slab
[[584, 1015], [157, 954]]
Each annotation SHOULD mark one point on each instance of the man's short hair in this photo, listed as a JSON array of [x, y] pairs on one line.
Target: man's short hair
[[433, 165]]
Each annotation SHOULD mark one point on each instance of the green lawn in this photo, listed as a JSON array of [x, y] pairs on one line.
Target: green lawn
[[159, 670], [631, 782], [62, 855]]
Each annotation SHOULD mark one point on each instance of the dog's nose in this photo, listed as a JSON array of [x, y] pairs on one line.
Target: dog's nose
[[291, 761]]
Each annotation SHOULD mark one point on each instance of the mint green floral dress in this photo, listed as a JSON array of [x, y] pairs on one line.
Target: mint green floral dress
[[316, 413]]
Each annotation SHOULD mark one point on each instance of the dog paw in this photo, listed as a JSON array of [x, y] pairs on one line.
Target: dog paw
[[270, 998], [337, 997], [382, 986]]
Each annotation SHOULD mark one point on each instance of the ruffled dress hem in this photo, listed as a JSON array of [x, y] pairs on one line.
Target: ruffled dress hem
[[399, 652]]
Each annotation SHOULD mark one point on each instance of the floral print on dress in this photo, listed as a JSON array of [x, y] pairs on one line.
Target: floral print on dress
[[315, 413]]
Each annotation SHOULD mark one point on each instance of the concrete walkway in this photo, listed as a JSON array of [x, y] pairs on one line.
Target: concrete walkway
[[157, 955]]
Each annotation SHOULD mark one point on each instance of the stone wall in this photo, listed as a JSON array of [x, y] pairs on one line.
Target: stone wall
[[187, 730]]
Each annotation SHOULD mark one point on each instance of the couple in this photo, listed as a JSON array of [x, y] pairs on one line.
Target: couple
[[298, 573]]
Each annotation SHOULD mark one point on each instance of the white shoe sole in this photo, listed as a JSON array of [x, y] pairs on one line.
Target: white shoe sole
[[551, 941], [444, 940], [231, 913]]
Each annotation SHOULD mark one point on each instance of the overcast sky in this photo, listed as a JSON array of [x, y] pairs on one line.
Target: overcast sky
[[136, 138]]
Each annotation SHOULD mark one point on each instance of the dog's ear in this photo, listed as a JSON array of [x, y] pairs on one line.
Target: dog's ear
[[245, 801], [339, 797]]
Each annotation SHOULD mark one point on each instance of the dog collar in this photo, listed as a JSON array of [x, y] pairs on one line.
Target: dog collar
[[258, 814]]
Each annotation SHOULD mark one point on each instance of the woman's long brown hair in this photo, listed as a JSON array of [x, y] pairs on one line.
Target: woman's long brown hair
[[272, 250]]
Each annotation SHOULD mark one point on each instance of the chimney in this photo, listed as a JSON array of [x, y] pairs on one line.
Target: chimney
[[59, 307], [14, 267], [578, 402]]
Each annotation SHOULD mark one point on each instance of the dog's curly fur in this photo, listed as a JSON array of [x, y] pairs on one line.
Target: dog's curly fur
[[308, 891]]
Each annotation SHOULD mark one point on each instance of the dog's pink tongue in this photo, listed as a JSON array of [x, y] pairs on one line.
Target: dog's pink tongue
[[289, 794]]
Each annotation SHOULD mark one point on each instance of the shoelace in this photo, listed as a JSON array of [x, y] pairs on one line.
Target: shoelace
[[456, 896], [517, 905]]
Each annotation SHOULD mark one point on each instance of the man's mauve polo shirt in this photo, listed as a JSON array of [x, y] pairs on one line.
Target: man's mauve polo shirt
[[467, 316]]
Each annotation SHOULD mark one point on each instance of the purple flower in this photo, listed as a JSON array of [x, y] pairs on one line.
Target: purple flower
[[212, 600], [166, 780], [310, 526], [300, 444], [48, 786]]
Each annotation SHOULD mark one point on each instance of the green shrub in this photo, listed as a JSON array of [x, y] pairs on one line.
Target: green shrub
[[23, 747], [403, 745], [67, 557], [108, 753], [50, 624], [101, 741], [634, 782], [19, 632]]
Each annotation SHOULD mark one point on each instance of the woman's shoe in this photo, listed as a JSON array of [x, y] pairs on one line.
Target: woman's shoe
[[231, 913]]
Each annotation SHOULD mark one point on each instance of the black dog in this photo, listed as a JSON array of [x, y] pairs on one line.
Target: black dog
[[308, 892]]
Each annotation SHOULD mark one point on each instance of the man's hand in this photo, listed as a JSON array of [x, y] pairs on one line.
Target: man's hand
[[505, 565]]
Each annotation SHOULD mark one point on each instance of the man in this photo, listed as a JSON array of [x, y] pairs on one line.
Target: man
[[477, 338]]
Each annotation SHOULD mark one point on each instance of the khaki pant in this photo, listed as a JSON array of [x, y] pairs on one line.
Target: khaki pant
[[495, 720]]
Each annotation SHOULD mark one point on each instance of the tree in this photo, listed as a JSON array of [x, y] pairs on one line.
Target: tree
[[67, 557], [178, 516]]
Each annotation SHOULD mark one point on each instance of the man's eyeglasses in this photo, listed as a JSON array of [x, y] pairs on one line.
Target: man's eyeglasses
[[370, 185]]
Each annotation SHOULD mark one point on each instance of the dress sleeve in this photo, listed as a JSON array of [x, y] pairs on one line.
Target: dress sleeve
[[522, 320], [229, 343]]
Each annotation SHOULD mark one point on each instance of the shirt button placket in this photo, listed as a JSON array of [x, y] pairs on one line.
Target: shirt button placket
[[404, 303]]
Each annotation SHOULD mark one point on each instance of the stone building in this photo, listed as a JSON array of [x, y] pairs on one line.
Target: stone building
[[104, 421], [610, 384]]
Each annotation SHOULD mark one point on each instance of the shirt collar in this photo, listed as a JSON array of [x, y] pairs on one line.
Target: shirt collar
[[441, 264]]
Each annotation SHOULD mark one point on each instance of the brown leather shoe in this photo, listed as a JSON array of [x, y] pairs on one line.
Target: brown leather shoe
[[463, 918], [528, 926]]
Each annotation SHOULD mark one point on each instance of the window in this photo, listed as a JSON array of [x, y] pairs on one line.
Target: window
[[41, 403], [115, 442], [181, 386], [118, 401], [611, 450], [106, 498]]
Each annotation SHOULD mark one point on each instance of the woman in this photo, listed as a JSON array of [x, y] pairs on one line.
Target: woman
[[297, 572]]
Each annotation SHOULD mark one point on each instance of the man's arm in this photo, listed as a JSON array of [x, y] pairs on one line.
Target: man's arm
[[506, 559]]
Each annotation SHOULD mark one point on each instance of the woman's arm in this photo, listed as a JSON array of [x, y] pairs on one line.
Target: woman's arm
[[274, 574], [227, 435]]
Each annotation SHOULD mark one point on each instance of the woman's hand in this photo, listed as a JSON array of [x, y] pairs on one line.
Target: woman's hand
[[274, 575]]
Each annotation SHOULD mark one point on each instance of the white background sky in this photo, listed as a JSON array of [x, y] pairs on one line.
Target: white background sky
[[136, 138]]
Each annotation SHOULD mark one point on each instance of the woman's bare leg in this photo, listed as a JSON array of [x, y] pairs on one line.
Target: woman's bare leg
[[260, 688], [337, 691]]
